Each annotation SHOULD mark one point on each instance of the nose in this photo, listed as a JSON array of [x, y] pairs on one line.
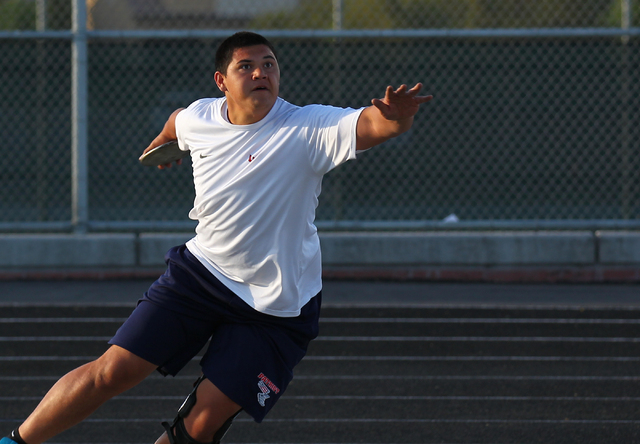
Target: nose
[[259, 73]]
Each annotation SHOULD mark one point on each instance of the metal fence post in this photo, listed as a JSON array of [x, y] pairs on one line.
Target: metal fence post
[[79, 155], [625, 14], [41, 15], [338, 25], [625, 158], [337, 15]]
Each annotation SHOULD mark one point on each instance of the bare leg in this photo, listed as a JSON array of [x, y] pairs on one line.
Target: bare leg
[[80, 392], [213, 408]]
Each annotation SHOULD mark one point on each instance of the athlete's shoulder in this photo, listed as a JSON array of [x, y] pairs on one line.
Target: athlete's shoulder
[[319, 109], [317, 114], [312, 108], [310, 111], [202, 110], [283, 107], [205, 103]]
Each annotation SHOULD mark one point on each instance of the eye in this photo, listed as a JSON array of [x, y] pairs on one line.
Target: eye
[[245, 66], [268, 65]]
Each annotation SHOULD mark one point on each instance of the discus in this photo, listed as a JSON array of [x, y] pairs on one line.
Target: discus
[[164, 154]]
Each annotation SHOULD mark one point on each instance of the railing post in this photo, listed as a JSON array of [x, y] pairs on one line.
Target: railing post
[[79, 137]]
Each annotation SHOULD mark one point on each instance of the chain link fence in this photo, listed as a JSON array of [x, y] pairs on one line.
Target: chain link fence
[[319, 14], [534, 117]]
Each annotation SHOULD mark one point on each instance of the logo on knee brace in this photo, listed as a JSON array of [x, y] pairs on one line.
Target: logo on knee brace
[[265, 386]]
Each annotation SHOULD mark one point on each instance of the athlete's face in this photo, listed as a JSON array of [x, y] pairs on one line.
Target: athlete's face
[[251, 84]]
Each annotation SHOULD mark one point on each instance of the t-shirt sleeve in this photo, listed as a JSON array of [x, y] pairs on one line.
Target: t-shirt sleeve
[[181, 119], [332, 135], [185, 119]]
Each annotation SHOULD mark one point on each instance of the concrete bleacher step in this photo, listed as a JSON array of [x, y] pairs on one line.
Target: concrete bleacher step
[[469, 366], [385, 386], [375, 375], [470, 347]]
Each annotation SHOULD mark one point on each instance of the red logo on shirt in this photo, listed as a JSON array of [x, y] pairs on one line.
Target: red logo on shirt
[[251, 157]]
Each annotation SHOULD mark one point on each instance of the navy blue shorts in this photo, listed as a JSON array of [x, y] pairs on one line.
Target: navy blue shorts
[[251, 355]]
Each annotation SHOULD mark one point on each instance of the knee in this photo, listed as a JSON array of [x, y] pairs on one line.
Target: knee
[[117, 372], [206, 413], [111, 378], [177, 432]]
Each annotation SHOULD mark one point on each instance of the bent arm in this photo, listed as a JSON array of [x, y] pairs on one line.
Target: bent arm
[[388, 117], [167, 134]]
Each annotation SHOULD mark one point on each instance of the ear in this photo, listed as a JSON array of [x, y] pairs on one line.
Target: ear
[[219, 78]]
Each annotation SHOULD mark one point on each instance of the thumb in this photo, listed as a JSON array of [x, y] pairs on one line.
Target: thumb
[[383, 107]]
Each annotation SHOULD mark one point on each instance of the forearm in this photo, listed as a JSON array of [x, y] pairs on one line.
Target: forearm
[[374, 128], [388, 117], [389, 129], [168, 132]]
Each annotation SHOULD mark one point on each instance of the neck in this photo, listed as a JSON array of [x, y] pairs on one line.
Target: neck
[[241, 116]]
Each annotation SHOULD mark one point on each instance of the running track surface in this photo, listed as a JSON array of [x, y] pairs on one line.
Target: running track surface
[[394, 363]]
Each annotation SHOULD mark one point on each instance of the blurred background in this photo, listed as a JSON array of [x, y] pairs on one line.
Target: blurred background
[[523, 169], [533, 124], [533, 118]]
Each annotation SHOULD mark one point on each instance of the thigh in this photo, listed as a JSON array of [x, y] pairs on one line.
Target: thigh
[[162, 336], [211, 410], [251, 364]]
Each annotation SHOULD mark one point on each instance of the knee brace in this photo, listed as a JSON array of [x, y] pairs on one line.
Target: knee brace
[[177, 432]]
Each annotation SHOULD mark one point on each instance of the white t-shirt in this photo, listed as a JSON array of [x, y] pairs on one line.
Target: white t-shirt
[[257, 189]]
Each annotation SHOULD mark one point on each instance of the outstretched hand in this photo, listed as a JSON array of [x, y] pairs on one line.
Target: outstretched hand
[[401, 103], [388, 117]]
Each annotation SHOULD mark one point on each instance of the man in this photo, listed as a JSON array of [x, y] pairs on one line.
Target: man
[[251, 278]]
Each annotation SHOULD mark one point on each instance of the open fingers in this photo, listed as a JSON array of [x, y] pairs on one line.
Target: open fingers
[[403, 91], [409, 92], [390, 92], [415, 90], [381, 105], [422, 99]]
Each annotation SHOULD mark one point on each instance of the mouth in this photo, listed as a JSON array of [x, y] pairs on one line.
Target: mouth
[[260, 88]]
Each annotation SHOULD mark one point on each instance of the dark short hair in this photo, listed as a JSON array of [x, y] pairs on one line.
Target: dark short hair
[[242, 39]]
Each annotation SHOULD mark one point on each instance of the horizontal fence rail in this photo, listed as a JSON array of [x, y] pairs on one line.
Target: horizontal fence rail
[[355, 225], [333, 34]]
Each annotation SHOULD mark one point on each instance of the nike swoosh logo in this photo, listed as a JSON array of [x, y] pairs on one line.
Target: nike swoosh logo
[[202, 157]]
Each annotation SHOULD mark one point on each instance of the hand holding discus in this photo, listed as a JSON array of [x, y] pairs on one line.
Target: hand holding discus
[[163, 155]]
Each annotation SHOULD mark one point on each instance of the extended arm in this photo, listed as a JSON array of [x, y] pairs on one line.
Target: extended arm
[[167, 134], [388, 117]]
